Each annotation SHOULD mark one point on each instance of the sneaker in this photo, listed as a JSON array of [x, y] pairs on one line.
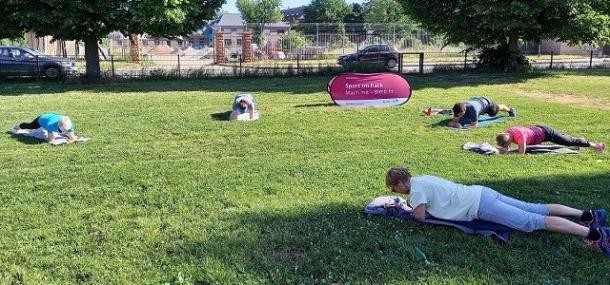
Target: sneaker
[[598, 221], [512, 112], [603, 243], [601, 147]]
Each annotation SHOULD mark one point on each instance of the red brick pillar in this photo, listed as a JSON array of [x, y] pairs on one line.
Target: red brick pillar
[[246, 48], [219, 48]]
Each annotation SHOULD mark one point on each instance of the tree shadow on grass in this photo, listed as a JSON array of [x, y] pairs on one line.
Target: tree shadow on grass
[[221, 116], [315, 105], [335, 243], [25, 139], [297, 86]]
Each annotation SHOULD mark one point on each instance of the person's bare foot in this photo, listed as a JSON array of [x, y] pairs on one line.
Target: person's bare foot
[[600, 147]]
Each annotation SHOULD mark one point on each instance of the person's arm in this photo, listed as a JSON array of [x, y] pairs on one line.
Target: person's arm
[[50, 137], [251, 111], [419, 212], [71, 137], [522, 147], [234, 115], [455, 123]]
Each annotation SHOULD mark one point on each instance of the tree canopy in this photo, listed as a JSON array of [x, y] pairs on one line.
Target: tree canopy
[[88, 21], [385, 11], [487, 23], [260, 12], [327, 11]]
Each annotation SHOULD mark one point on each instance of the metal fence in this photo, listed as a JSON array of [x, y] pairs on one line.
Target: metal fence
[[296, 49], [202, 66]]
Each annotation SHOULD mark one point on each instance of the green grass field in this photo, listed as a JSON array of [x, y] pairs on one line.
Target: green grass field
[[169, 192]]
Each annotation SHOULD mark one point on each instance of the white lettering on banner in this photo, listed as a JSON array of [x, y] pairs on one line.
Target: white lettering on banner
[[349, 86], [369, 88]]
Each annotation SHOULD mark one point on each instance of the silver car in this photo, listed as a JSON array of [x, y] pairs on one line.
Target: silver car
[[22, 61]]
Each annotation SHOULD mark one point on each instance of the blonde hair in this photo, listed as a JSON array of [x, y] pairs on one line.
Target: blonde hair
[[503, 139]]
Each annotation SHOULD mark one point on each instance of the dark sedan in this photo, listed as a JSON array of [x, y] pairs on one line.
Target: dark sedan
[[21, 61], [386, 55]]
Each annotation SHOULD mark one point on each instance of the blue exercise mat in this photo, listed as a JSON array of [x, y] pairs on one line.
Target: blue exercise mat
[[484, 121], [378, 208]]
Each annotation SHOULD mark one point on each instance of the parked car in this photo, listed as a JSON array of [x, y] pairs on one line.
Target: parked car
[[386, 55], [22, 61]]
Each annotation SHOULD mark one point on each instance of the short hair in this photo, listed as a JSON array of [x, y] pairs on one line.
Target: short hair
[[65, 124], [396, 175], [458, 108], [503, 139]]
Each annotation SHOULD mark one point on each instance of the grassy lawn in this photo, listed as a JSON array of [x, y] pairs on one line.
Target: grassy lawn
[[169, 192]]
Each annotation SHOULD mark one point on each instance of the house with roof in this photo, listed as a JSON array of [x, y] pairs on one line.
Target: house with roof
[[294, 14], [232, 26]]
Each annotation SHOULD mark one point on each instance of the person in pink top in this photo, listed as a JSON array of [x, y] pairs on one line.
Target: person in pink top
[[524, 136]]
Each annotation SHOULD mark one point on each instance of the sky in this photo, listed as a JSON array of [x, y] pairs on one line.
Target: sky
[[230, 5]]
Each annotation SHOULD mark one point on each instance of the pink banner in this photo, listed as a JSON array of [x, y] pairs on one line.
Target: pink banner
[[379, 89]]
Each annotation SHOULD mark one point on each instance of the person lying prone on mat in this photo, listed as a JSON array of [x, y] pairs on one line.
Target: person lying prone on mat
[[243, 103], [448, 200], [524, 136], [467, 113], [54, 124]]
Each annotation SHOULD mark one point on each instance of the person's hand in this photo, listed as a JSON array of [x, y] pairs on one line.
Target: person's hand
[[503, 150], [455, 125]]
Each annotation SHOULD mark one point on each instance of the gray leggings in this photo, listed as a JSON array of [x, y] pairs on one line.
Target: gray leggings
[[504, 210]]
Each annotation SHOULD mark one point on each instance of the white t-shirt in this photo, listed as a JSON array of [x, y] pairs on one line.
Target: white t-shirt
[[445, 199]]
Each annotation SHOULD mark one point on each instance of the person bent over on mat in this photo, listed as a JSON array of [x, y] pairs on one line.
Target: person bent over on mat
[[243, 103], [524, 136], [468, 112], [448, 200], [54, 124]]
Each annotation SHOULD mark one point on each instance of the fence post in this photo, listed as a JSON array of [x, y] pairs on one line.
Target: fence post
[[179, 73], [400, 58], [551, 66], [37, 67], [591, 59], [240, 67], [465, 59], [112, 64], [298, 64], [421, 63]]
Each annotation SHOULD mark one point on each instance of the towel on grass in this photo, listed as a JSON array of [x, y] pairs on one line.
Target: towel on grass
[[246, 116], [483, 148], [487, 149], [394, 206], [437, 111], [42, 134]]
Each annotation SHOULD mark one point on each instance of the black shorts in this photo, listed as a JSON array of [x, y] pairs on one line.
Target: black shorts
[[492, 107]]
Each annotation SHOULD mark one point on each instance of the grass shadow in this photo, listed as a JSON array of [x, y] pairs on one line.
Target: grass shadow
[[315, 105], [25, 139], [221, 116], [335, 243], [306, 84]]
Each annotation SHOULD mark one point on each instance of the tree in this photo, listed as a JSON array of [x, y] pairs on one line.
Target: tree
[[498, 23], [326, 11], [91, 20], [10, 27], [260, 12], [356, 16], [385, 11]]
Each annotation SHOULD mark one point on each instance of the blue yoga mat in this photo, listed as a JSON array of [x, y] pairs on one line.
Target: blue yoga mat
[[484, 121]]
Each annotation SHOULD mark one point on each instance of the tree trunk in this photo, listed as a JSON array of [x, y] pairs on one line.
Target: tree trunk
[[134, 48], [92, 58], [513, 43]]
